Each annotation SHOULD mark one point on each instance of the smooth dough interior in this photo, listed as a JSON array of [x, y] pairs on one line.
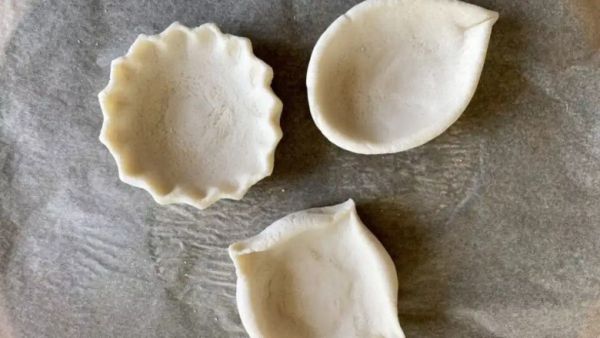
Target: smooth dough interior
[[391, 69], [330, 279], [196, 114]]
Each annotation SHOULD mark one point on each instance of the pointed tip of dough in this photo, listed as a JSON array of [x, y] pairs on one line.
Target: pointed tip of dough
[[271, 267], [387, 107]]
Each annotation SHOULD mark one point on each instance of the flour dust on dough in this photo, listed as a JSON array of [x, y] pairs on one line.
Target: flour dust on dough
[[189, 115], [390, 75], [316, 273]]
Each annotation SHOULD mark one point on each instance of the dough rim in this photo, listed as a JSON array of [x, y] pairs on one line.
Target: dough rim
[[180, 193], [287, 228], [403, 143]]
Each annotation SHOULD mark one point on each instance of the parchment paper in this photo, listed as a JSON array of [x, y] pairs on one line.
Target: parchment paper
[[494, 226]]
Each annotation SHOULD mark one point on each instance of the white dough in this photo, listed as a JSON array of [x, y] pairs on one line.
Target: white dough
[[189, 115], [316, 273], [390, 75]]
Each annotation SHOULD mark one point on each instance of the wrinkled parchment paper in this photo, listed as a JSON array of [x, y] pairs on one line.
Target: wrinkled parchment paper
[[494, 226]]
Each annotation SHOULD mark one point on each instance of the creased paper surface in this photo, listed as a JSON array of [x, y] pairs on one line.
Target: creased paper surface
[[494, 226]]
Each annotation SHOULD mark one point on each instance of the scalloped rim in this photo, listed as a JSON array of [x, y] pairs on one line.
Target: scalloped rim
[[179, 193], [401, 144]]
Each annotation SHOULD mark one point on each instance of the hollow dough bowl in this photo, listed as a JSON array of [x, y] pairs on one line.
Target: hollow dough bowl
[[317, 273], [390, 75], [189, 116]]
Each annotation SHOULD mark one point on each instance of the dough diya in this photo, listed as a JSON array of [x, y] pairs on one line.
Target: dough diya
[[390, 75], [189, 115], [316, 273]]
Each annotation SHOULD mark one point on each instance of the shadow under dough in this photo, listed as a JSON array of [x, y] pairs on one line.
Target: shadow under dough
[[421, 287], [501, 81], [303, 146]]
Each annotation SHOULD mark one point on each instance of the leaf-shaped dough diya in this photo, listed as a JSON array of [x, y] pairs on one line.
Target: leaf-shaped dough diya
[[390, 75], [316, 273]]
